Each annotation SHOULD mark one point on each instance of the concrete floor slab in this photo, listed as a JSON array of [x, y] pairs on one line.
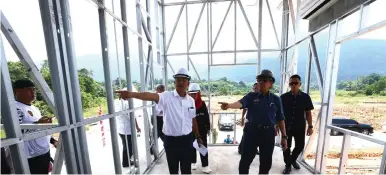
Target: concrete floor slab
[[225, 160]]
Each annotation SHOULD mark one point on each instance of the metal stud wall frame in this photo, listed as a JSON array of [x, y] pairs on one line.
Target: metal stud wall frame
[[150, 31]]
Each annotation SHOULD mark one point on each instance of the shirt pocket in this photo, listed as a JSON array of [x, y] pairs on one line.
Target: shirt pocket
[[188, 109], [272, 110]]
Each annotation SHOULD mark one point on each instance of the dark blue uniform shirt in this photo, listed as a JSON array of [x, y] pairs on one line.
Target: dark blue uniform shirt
[[263, 109], [295, 108]]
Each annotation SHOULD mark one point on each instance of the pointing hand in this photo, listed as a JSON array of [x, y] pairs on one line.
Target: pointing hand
[[224, 106], [124, 94]]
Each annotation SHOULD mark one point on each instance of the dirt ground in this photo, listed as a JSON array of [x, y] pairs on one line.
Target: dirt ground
[[363, 160]]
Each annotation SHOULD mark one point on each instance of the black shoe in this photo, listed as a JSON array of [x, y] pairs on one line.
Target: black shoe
[[287, 170], [296, 165]]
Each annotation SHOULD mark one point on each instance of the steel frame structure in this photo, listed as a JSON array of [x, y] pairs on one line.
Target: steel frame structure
[[66, 102]]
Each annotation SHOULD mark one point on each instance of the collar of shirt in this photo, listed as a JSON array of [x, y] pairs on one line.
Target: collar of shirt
[[178, 95], [259, 94], [299, 93]]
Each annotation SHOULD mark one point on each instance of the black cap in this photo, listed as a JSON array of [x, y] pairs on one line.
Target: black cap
[[267, 74], [19, 84]]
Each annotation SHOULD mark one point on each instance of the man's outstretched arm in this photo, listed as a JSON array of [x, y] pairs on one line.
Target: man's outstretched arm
[[235, 105], [147, 96]]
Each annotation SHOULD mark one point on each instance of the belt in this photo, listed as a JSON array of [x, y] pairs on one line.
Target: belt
[[260, 126]]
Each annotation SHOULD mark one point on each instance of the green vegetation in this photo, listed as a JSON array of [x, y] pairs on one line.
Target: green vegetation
[[373, 84], [92, 92]]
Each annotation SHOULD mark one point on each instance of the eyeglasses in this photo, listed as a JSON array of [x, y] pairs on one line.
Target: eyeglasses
[[293, 83]]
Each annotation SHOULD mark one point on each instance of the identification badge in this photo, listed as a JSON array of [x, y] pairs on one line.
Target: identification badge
[[256, 100]]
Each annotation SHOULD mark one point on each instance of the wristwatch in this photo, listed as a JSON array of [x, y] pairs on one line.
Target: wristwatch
[[284, 137], [310, 126]]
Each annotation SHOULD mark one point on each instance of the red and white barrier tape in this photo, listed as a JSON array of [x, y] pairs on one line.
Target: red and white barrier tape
[[102, 127]]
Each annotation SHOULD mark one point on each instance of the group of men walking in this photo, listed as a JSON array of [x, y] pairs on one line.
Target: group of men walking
[[183, 120], [183, 117]]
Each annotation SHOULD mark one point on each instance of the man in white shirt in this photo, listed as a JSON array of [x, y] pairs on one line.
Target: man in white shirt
[[179, 120], [36, 150], [124, 131]]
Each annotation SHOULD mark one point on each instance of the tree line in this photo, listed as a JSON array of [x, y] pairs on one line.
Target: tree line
[[373, 84]]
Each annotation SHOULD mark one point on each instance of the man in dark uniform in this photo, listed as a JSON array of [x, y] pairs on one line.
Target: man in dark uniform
[[244, 120], [264, 111], [296, 103]]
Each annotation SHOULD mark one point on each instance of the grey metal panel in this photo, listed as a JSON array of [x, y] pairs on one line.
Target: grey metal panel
[[59, 158], [143, 83], [10, 118], [73, 73], [53, 53], [108, 86], [344, 154], [260, 36], [325, 98], [67, 83], [129, 81], [164, 50], [27, 61], [284, 43], [382, 168]]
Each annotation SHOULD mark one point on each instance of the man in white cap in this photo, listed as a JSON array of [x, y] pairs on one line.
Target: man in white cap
[[179, 114]]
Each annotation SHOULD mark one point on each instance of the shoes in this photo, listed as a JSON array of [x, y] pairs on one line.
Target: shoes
[[296, 165], [194, 167], [287, 170], [206, 169]]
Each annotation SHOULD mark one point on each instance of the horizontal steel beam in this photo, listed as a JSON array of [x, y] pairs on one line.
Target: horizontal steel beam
[[193, 2], [9, 141], [356, 134], [58, 129], [327, 25], [226, 51], [237, 64], [362, 31], [33, 126]]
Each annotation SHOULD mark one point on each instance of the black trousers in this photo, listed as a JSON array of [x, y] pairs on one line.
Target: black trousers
[[125, 158], [254, 137], [204, 159], [241, 142], [5, 167], [178, 153], [160, 124], [299, 135], [40, 164]]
